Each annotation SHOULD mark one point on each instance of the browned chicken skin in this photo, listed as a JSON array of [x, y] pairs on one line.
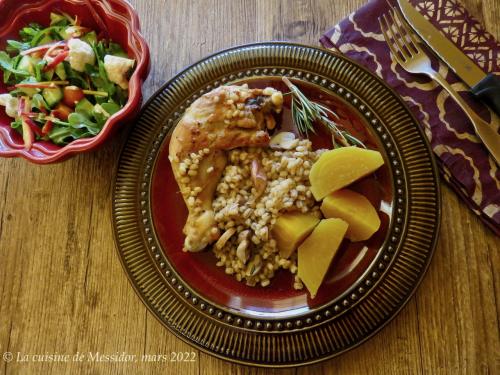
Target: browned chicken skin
[[225, 118]]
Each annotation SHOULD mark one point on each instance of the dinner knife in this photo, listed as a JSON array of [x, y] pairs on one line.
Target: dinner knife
[[485, 87]]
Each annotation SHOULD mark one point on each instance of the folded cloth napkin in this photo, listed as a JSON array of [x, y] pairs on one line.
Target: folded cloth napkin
[[462, 159]]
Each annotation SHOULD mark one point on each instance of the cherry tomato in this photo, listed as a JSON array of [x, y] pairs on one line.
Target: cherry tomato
[[58, 59], [72, 95], [62, 112]]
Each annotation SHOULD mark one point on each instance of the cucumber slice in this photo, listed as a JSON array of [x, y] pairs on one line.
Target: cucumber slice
[[61, 72], [48, 75], [27, 63], [52, 96]]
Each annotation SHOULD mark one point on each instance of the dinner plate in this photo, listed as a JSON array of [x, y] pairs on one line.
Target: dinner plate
[[277, 326]]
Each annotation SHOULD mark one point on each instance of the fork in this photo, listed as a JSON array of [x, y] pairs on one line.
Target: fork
[[407, 52]]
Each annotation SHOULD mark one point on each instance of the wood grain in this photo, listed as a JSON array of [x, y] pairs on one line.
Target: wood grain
[[62, 289]]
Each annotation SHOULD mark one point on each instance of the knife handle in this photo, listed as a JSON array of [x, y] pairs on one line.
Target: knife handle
[[488, 90]]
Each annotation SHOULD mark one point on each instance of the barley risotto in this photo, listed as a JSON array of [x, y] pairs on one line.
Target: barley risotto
[[247, 217]]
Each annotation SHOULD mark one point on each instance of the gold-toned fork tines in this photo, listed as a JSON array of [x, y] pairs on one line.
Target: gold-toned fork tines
[[407, 52]]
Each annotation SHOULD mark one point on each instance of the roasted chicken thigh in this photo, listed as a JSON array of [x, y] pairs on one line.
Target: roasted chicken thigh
[[225, 118]]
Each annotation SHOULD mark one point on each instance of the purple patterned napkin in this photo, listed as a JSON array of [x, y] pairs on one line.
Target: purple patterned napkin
[[463, 160]]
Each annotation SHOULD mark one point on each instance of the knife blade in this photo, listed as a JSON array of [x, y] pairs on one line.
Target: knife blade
[[485, 87]]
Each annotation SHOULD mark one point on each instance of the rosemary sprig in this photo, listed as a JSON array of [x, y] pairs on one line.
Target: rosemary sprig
[[305, 112]]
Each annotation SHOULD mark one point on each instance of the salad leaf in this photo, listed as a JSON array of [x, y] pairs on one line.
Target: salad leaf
[[99, 78], [115, 49], [110, 108], [107, 85], [84, 107], [39, 70], [17, 125], [75, 78], [62, 135], [100, 118], [44, 36], [121, 96], [6, 65], [80, 121], [90, 38], [104, 111], [38, 102], [58, 19], [13, 46], [99, 50], [65, 132], [103, 48], [27, 33]]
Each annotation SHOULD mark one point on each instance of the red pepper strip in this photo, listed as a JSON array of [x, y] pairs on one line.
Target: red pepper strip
[[27, 104], [58, 59], [20, 105], [34, 127], [43, 47], [54, 49], [53, 52], [28, 135], [47, 128]]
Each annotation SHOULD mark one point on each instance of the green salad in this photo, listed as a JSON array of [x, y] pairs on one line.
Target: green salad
[[63, 81]]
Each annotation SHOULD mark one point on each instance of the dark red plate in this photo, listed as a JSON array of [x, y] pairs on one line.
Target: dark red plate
[[199, 269], [277, 326]]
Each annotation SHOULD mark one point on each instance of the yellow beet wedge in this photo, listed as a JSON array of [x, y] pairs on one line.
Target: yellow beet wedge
[[291, 229], [356, 210], [317, 251], [340, 167]]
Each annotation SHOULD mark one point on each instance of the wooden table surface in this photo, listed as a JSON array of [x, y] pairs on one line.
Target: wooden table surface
[[62, 288]]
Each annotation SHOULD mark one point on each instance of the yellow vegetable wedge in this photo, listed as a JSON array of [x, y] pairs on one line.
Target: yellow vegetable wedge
[[340, 167], [291, 229], [356, 210], [317, 252]]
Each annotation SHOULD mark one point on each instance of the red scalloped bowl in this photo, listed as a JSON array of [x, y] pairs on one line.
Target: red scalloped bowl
[[121, 25]]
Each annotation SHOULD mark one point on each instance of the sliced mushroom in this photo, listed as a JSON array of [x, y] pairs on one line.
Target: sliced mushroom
[[254, 266], [243, 235], [224, 238], [283, 141], [259, 177], [243, 251]]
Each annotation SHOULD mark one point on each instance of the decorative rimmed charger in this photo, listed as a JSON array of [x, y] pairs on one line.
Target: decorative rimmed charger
[[317, 332]]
